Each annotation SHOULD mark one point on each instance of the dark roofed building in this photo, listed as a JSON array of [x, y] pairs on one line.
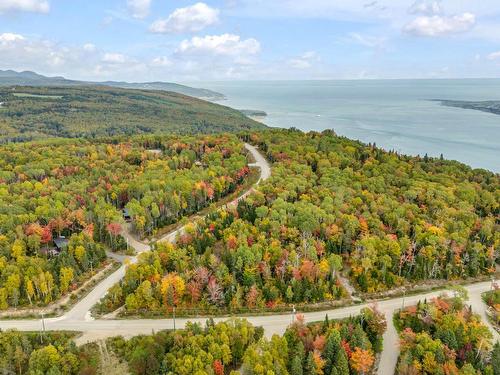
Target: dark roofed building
[[61, 243]]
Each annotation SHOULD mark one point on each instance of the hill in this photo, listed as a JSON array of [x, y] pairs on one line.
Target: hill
[[13, 78], [28, 113]]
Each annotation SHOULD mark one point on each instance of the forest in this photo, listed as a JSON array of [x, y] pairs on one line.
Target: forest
[[492, 299], [233, 347], [331, 206], [30, 113], [53, 353], [224, 263], [393, 218], [73, 191], [331, 347], [444, 336]]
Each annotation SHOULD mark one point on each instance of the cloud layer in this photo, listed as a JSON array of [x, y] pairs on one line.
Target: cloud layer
[[139, 8], [38, 6], [440, 25], [190, 19]]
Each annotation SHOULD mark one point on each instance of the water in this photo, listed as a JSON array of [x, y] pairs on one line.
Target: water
[[395, 114]]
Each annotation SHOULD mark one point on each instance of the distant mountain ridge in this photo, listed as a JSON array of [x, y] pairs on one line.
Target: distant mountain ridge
[[28, 78]]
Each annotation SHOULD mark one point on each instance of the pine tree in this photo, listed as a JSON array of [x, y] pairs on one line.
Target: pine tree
[[296, 366], [310, 367], [341, 363], [296, 357], [331, 348], [495, 359]]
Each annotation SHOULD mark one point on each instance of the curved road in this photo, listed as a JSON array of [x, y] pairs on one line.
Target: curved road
[[79, 319]]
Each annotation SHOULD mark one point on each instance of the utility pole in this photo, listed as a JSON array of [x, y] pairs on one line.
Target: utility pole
[[404, 295], [42, 333], [174, 317]]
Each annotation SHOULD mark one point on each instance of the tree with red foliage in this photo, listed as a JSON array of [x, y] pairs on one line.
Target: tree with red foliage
[[218, 367]]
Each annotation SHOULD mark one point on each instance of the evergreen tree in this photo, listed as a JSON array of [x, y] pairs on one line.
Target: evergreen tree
[[341, 363], [331, 349], [495, 359], [296, 367], [310, 367]]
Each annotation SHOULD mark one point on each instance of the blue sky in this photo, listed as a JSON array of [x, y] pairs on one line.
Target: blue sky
[[178, 40]]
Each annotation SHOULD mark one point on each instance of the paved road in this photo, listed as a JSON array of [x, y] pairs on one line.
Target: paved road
[[79, 319], [81, 311]]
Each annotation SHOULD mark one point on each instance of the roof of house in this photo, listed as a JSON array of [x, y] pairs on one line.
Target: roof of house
[[61, 242]]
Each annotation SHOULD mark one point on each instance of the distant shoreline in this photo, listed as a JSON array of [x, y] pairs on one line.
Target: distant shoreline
[[489, 106]]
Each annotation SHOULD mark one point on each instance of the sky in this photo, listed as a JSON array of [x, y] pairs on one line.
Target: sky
[[183, 41]]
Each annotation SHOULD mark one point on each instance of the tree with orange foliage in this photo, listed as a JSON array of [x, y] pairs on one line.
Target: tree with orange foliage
[[362, 360]]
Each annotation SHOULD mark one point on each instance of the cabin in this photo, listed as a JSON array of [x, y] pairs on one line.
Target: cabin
[[126, 215], [61, 243]]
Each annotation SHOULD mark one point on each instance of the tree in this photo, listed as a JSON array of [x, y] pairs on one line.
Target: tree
[[310, 365], [341, 362], [114, 230], [495, 359], [46, 360], [296, 366], [65, 278], [331, 349], [362, 360]]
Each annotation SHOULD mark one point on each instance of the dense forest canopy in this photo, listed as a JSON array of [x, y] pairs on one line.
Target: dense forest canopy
[[331, 205], [444, 336], [53, 353], [392, 217], [77, 189], [28, 113]]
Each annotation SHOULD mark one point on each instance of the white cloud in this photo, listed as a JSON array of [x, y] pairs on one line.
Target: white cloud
[[304, 61], [89, 47], [440, 25], [225, 44], [368, 41], [494, 56], [37, 6], [161, 61], [114, 58], [190, 19], [428, 8], [8, 38], [139, 8]]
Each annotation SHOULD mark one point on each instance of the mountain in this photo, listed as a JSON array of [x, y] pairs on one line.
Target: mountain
[[28, 112], [27, 78]]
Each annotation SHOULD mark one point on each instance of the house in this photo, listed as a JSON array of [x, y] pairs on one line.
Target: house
[[61, 243], [50, 252]]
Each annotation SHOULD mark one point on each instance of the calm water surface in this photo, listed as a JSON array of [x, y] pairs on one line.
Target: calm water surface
[[396, 114]]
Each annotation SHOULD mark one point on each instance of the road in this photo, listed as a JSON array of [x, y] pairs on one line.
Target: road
[[79, 319]]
